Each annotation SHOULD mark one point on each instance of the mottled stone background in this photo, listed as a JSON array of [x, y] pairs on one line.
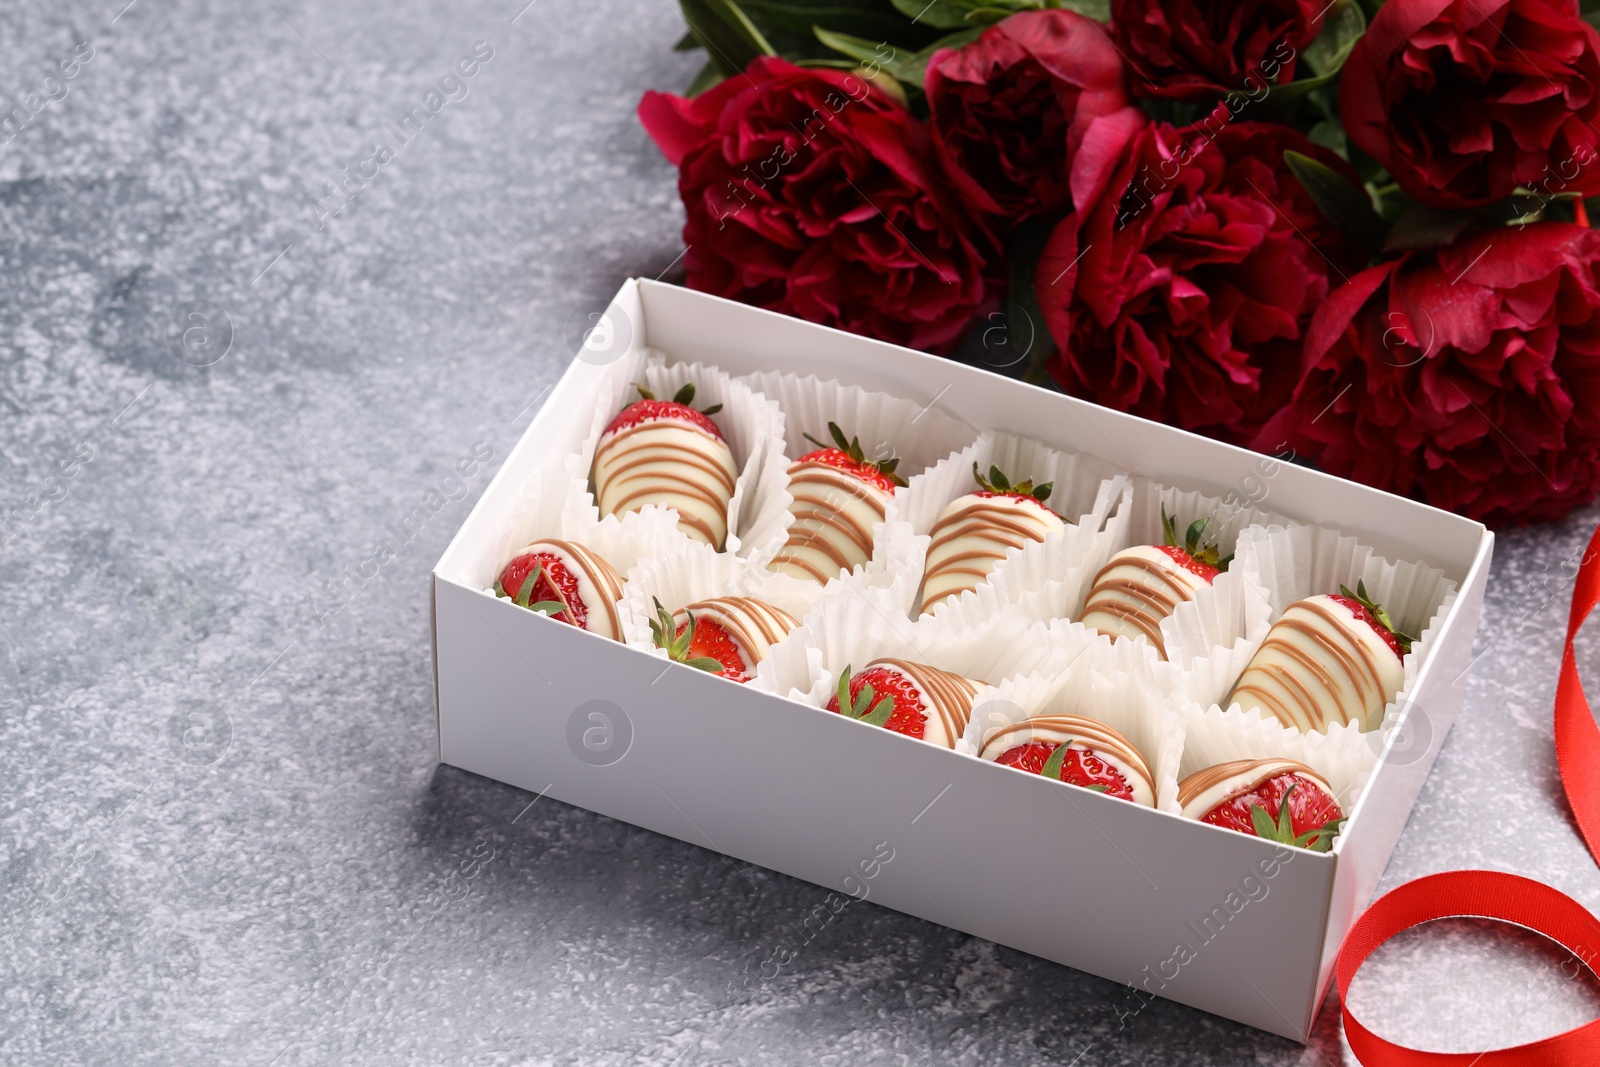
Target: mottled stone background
[[224, 835]]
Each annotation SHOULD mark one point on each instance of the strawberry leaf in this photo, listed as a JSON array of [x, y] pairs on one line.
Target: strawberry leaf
[[1191, 537], [1052, 766], [684, 396], [1360, 596], [704, 663], [1264, 827], [549, 607], [839, 438], [644, 394], [1041, 493], [712, 410], [842, 694], [526, 591], [879, 716], [1285, 817], [863, 700], [1098, 788], [500, 590], [1169, 529]]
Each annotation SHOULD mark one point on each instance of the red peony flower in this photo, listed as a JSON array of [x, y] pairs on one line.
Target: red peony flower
[[1465, 100], [1197, 49], [1181, 287], [813, 193], [1467, 378], [1009, 109]]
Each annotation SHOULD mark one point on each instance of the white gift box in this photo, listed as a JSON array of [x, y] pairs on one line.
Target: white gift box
[[1166, 906]]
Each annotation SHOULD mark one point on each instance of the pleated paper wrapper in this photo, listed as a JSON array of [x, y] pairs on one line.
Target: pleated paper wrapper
[[850, 631], [1114, 686], [920, 435], [1289, 564], [753, 427], [1089, 493]]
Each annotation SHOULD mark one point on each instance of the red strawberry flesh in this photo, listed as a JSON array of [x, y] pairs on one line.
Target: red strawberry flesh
[[555, 583], [910, 713], [1080, 766], [712, 641], [1188, 562], [1360, 611], [836, 457], [1020, 496], [656, 410], [1309, 806]]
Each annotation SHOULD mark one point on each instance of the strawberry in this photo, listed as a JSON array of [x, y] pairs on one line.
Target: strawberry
[[699, 643], [543, 575], [1287, 808], [649, 409], [879, 696], [1362, 607], [846, 454], [1188, 553], [1065, 763], [997, 484]]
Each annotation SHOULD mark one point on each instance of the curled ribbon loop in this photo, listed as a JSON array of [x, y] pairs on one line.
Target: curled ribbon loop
[[1505, 897]]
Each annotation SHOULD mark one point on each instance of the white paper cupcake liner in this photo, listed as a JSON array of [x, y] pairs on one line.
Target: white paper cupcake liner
[[752, 426], [1291, 563], [920, 435], [554, 504], [1085, 490], [1113, 686], [850, 631], [1214, 736]]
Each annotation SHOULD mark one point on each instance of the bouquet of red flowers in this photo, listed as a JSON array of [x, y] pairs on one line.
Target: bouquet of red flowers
[[1355, 231]]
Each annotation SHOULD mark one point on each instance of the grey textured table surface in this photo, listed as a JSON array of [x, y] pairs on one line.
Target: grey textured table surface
[[279, 890]]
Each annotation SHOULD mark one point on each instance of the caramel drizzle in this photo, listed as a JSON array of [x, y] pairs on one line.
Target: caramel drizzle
[[1302, 709], [994, 528], [685, 475], [1090, 735], [1153, 602], [1257, 771], [752, 625], [819, 524], [601, 574], [948, 695]]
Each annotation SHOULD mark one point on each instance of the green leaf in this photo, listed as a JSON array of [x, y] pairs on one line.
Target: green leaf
[[1052, 766], [687, 43], [704, 663], [709, 75], [1285, 817], [1340, 31], [549, 607], [1424, 227], [900, 64], [842, 694], [731, 40], [1041, 493], [712, 410], [1098, 788], [862, 703], [1329, 133], [1324, 57], [945, 14], [879, 715], [526, 591], [1265, 828], [1344, 203]]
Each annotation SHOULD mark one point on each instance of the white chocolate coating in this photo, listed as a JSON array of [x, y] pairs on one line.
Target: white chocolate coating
[[834, 512], [973, 534], [946, 697], [754, 626], [1135, 590], [1089, 735], [1321, 665], [671, 463], [599, 585], [1207, 788]]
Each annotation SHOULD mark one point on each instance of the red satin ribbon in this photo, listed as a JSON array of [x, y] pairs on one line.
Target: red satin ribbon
[[1506, 897]]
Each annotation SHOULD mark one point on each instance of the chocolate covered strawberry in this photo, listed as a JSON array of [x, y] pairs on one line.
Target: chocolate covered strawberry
[[666, 453], [839, 494], [975, 531], [1140, 586], [1276, 799], [726, 635], [1076, 750], [1328, 660], [909, 698], [565, 581]]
